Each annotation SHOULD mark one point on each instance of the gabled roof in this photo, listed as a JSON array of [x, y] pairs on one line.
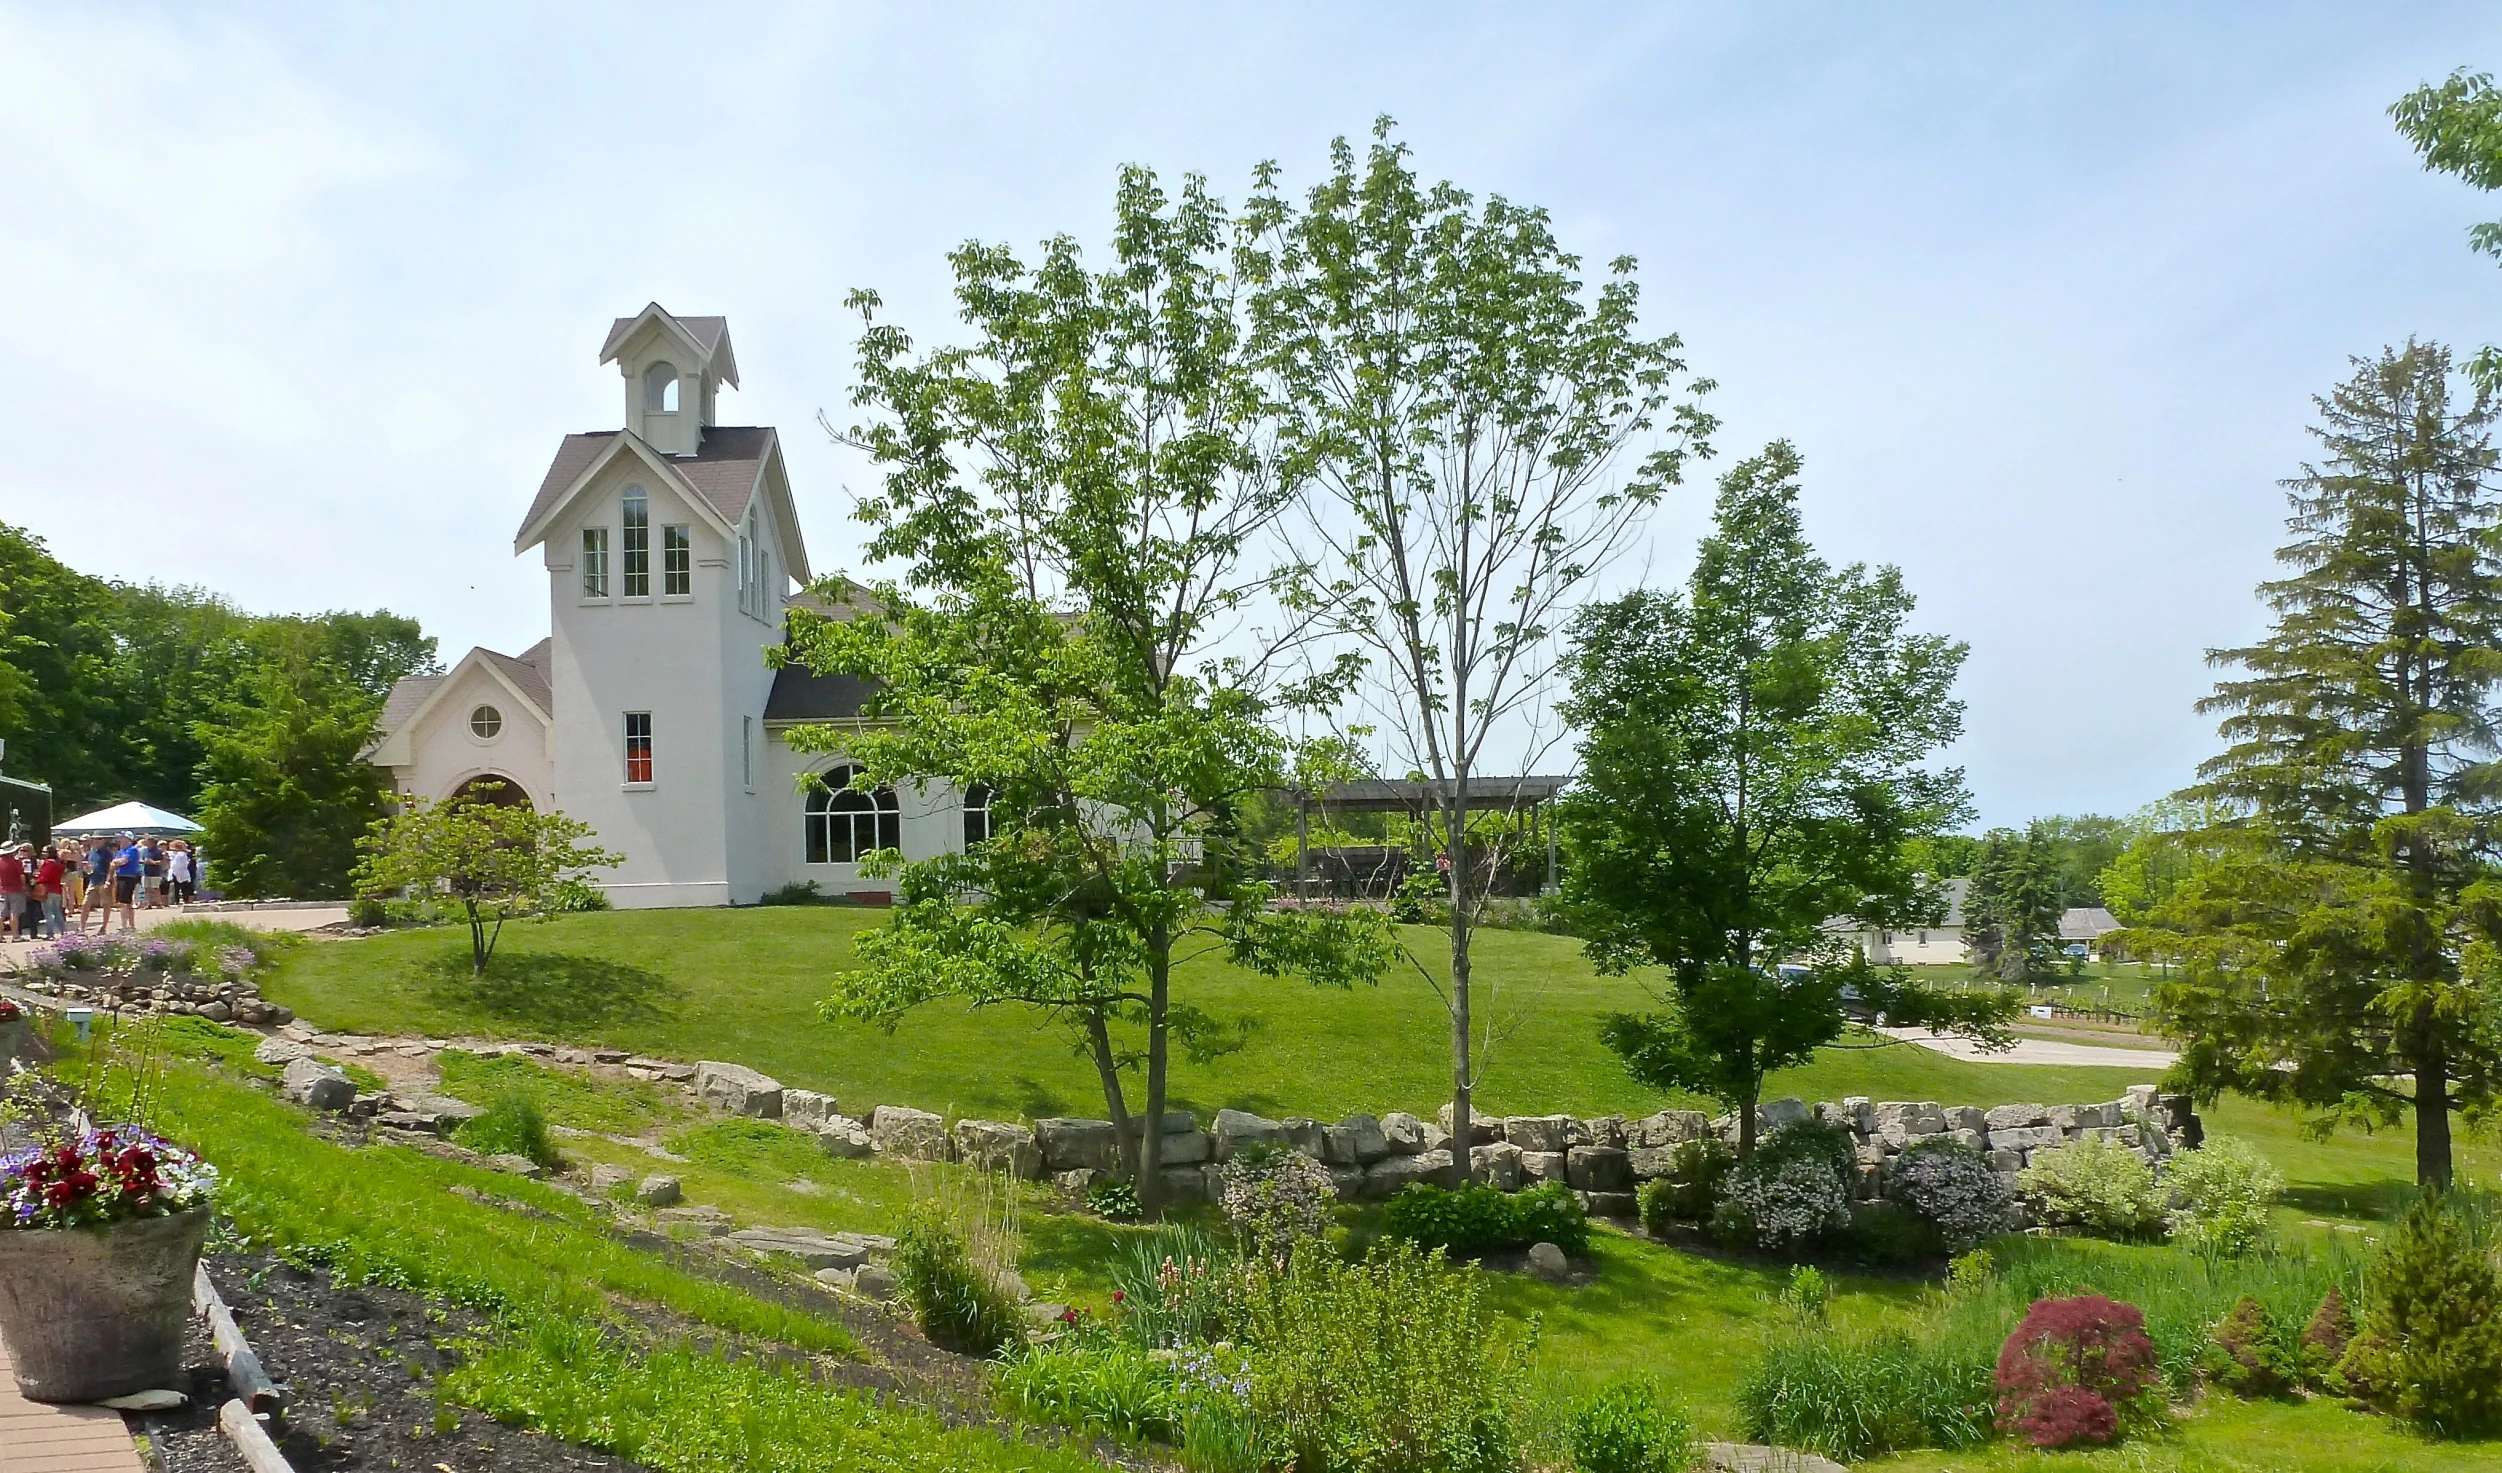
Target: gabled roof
[[2087, 923], [708, 338], [801, 694], [525, 675], [721, 477]]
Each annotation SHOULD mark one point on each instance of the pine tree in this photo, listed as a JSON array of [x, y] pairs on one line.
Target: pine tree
[[2011, 912], [2431, 1347], [2341, 939]]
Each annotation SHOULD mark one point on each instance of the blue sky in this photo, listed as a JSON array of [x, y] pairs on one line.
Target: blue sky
[[295, 301]]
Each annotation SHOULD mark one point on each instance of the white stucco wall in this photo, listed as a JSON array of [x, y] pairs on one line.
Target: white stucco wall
[[1938, 946], [445, 753], [932, 824]]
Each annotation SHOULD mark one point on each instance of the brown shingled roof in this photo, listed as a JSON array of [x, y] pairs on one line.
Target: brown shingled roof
[[706, 331], [724, 471]]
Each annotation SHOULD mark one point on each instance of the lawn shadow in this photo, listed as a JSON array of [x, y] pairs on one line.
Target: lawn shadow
[[553, 992], [2385, 1200]]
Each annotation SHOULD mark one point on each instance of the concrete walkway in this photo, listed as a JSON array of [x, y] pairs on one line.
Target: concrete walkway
[[307, 918], [39, 1438], [2040, 1051]]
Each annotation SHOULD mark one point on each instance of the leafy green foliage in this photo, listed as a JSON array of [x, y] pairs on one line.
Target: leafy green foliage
[[1953, 1187], [1393, 1364], [2324, 1339], [2011, 912], [2456, 124], [1477, 1219], [1794, 1191], [1632, 1427], [2431, 1346], [494, 860], [1756, 763], [957, 1302], [2099, 1187], [1102, 1383], [511, 1126], [2222, 1197], [2342, 935], [1114, 1200]]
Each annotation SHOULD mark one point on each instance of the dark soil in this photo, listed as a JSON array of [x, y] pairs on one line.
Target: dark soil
[[359, 1365]]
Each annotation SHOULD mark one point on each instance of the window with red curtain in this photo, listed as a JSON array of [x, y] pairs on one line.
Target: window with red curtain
[[638, 746]]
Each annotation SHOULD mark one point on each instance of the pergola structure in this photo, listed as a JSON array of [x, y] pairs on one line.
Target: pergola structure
[[1524, 798]]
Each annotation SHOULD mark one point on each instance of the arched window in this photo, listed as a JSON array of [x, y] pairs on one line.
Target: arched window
[[660, 389], [977, 829], [485, 722], [846, 825]]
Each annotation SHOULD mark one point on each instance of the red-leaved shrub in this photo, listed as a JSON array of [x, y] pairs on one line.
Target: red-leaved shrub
[[2071, 1368]]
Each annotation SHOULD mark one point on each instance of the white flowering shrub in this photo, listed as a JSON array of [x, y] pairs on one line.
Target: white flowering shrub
[[2099, 1187], [2221, 1198], [1792, 1191], [1275, 1195], [1951, 1185]]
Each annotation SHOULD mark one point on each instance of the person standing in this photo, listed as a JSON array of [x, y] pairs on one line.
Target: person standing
[[12, 895], [73, 878], [178, 876], [151, 873], [49, 874], [129, 870], [99, 871]]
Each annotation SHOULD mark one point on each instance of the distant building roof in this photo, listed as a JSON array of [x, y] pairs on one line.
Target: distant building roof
[[1390, 795], [2086, 923]]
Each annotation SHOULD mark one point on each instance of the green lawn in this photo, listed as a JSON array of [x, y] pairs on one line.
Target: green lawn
[[743, 985]]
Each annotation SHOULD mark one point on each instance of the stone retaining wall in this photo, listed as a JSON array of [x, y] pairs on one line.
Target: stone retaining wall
[[1370, 1158]]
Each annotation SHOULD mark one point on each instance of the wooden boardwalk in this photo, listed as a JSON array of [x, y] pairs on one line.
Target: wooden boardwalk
[[36, 1438]]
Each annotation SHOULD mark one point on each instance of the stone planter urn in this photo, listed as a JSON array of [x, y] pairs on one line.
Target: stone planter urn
[[96, 1312]]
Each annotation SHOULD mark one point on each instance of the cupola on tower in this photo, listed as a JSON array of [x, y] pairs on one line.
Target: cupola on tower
[[673, 368]]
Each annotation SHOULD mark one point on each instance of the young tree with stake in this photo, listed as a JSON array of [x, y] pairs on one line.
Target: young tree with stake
[[1482, 434]]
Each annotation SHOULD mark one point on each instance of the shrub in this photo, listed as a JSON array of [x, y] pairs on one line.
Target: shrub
[[1275, 1195], [2325, 1338], [2221, 1196], [511, 1126], [1631, 1428], [1394, 1363], [1858, 1397], [2431, 1346], [2244, 1355], [1952, 1186], [1477, 1219], [574, 895], [1808, 1295], [1655, 1201], [367, 912], [1792, 1191], [1098, 1382], [2076, 1370], [1700, 1168], [957, 1301], [1115, 1200], [2098, 1187], [797, 892]]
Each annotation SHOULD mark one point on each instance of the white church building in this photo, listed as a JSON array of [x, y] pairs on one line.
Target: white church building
[[672, 550]]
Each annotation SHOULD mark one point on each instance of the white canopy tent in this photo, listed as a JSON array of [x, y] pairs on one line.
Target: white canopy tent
[[126, 818]]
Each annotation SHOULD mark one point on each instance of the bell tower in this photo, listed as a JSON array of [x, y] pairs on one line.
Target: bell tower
[[673, 368]]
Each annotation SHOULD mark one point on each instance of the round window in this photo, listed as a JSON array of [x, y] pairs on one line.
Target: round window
[[486, 721]]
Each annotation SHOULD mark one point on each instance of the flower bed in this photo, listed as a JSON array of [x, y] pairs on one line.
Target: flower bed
[[118, 1174]]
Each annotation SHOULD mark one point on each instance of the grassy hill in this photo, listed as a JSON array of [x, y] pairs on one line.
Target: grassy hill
[[744, 984]]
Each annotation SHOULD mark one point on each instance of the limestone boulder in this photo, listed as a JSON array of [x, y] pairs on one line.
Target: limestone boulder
[[916, 1135], [998, 1145], [1190, 1148], [1306, 1135], [1538, 1132], [1405, 1133], [1077, 1145], [1668, 1128], [1497, 1165], [280, 1052], [1772, 1115], [1389, 1176], [1184, 1185], [2014, 1117], [1598, 1169], [1967, 1117], [308, 1083], [1546, 1261], [738, 1089], [1365, 1142], [1542, 1166], [1483, 1130], [1236, 1129], [806, 1109], [658, 1191], [844, 1138]]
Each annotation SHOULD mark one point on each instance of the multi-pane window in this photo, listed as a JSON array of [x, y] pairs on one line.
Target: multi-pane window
[[485, 722], [845, 825], [638, 544], [677, 561], [638, 749], [595, 562], [977, 828]]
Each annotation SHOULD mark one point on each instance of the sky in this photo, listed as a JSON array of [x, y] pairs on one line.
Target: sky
[[296, 301]]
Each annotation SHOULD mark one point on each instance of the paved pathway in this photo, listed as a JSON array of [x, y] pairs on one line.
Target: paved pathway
[[37, 1438], [309, 918], [2040, 1051]]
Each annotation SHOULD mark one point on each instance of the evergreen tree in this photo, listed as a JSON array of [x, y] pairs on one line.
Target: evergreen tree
[[2341, 942], [2011, 911], [2431, 1345], [1757, 763]]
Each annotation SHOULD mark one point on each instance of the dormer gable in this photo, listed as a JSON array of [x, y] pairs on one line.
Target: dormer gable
[[673, 369]]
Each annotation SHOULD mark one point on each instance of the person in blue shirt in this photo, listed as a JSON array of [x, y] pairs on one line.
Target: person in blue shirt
[[128, 866]]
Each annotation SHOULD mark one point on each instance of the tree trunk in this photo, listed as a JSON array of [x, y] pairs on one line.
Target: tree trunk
[[1463, 1163], [1159, 1009], [1746, 1118], [2432, 1111], [1115, 1099], [477, 939]]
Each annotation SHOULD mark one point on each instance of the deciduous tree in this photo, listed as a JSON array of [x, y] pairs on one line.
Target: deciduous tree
[[1757, 762], [493, 860]]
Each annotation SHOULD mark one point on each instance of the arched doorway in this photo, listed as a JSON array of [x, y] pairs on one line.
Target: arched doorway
[[492, 787]]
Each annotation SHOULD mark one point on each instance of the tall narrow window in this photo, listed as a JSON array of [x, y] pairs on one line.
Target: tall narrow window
[[746, 573], [677, 561], [976, 815], [845, 826], [595, 562], [638, 544], [747, 751], [638, 734], [765, 591]]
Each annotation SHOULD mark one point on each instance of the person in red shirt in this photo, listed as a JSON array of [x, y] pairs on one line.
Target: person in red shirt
[[12, 895], [49, 878]]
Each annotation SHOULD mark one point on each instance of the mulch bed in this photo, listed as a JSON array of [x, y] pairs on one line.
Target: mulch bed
[[359, 1364]]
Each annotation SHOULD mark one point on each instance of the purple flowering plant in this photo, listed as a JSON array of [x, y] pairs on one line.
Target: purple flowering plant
[[116, 1174]]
